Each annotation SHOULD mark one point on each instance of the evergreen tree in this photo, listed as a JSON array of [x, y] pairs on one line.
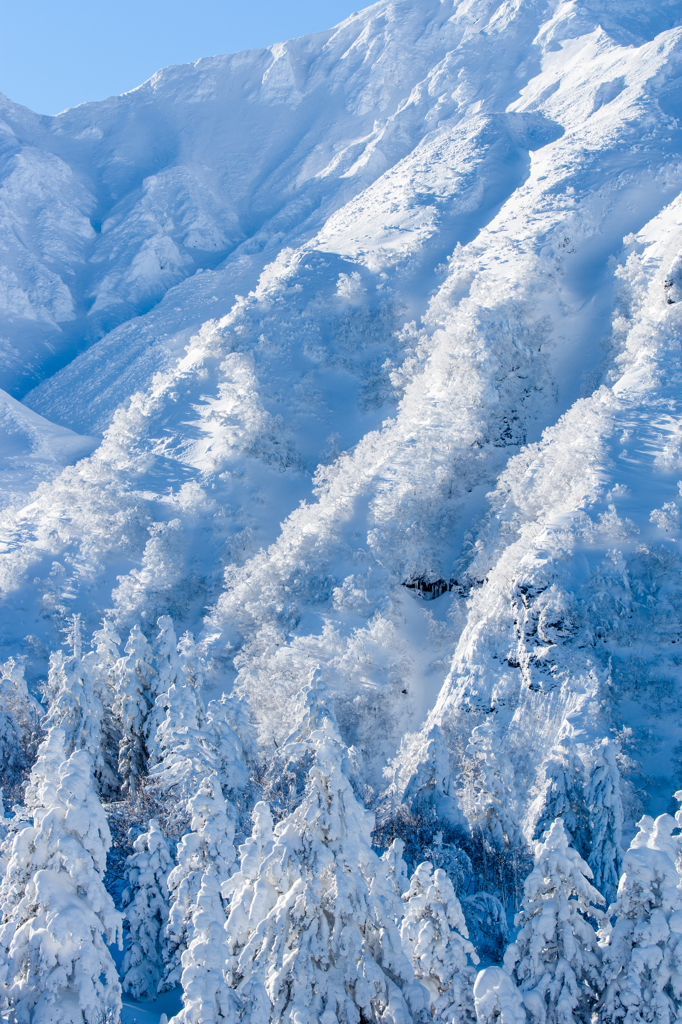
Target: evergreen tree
[[396, 868], [184, 757], [210, 845], [57, 915], [291, 763], [168, 673], [233, 738], [74, 707], [321, 938], [564, 794], [240, 890], [435, 938], [134, 700], [606, 820], [642, 947], [146, 911], [101, 663], [20, 718], [555, 960]]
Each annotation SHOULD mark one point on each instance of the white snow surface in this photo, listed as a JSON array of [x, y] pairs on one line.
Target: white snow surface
[[394, 301]]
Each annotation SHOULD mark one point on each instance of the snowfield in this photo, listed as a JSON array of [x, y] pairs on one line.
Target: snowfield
[[355, 364]]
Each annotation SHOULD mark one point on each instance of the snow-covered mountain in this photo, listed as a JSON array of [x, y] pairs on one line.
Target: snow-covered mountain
[[369, 347]]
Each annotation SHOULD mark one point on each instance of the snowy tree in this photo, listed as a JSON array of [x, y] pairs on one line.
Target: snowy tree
[[290, 765], [233, 738], [555, 960], [497, 999], [74, 707], [420, 805], [244, 913], [491, 799], [396, 868], [563, 795], [210, 844], [184, 757], [134, 700], [435, 937], [206, 996], [606, 820], [20, 716], [146, 912], [642, 947], [101, 664], [168, 673], [321, 940], [58, 917]]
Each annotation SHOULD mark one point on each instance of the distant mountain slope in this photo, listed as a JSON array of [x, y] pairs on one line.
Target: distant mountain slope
[[392, 304]]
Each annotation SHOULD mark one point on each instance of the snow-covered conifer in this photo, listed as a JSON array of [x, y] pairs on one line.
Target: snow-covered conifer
[[435, 937], [555, 960], [146, 911], [396, 867], [497, 999], [241, 888], [184, 754], [101, 663], [58, 917], [134, 700], [321, 936], [19, 725], [642, 934], [606, 820], [233, 738], [210, 845], [420, 802], [290, 765], [168, 673], [563, 795], [74, 707], [206, 996]]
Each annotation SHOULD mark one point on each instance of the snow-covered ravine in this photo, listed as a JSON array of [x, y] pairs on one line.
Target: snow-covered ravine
[[387, 312]]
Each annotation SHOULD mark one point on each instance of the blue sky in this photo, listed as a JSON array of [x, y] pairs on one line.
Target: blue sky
[[57, 53]]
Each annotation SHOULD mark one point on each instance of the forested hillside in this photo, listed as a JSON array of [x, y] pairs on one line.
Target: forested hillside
[[341, 489]]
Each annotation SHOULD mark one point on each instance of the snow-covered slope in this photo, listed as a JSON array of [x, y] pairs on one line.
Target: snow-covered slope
[[392, 304]]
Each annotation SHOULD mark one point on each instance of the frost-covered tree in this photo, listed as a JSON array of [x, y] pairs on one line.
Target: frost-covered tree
[[396, 867], [134, 701], [168, 673], [57, 916], [240, 890], [420, 805], [146, 912], [20, 716], [606, 820], [555, 960], [101, 664], [435, 938], [75, 708], [206, 996], [288, 773], [321, 940], [491, 801], [210, 845], [233, 738], [184, 757], [642, 934], [497, 999], [563, 794]]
